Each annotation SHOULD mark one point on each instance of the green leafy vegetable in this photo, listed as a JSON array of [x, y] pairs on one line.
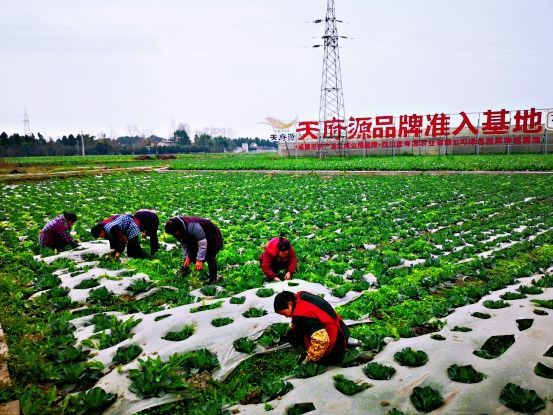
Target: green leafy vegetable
[[522, 400], [379, 372], [426, 399], [124, 355], [349, 387], [495, 346], [464, 374], [411, 358], [244, 345], [182, 334], [154, 378]]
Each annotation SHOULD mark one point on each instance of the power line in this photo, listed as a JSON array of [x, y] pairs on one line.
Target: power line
[[440, 35]]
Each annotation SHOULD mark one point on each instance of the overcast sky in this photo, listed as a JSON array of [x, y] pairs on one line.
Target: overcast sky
[[104, 65]]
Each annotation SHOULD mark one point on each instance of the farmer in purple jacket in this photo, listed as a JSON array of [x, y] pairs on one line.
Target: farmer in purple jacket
[[200, 241], [55, 233]]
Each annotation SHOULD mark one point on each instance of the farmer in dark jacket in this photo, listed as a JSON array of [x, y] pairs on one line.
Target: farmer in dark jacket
[[278, 256], [200, 241], [316, 327], [55, 233], [121, 231], [148, 223]]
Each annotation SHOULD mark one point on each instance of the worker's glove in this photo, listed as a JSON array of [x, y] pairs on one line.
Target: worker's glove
[[186, 262], [199, 265]]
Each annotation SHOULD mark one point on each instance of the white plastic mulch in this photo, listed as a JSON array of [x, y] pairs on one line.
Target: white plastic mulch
[[515, 365], [148, 333]]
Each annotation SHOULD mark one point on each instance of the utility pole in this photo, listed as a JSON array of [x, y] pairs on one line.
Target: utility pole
[[331, 105], [82, 141], [26, 124]]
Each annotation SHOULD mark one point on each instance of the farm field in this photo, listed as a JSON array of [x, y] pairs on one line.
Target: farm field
[[404, 252], [271, 161]]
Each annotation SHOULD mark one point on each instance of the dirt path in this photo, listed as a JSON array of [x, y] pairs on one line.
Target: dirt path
[[71, 173], [76, 173]]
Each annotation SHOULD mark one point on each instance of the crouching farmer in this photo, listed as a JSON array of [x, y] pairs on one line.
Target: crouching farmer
[[122, 232], [316, 328], [55, 234], [278, 261]]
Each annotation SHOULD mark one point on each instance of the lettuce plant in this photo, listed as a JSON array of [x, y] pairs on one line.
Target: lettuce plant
[[46, 281], [544, 371], [461, 328], [529, 289], [195, 361], [205, 307], [237, 300], [411, 358], [273, 334], [544, 303], [209, 290], [221, 321], [349, 387], [522, 400], [478, 314], [378, 372], [101, 296], [182, 334], [464, 374], [426, 399], [91, 402], [495, 346], [512, 296], [265, 292], [524, 323], [140, 286], [88, 283], [495, 304], [273, 389], [254, 312], [154, 378], [244, 345], [300, 408], [309, 370], [124, 355]]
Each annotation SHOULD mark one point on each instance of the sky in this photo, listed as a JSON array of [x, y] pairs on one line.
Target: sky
[[120, 66]]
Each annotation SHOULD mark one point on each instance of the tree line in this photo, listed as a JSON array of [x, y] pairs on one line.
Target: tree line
[[17, 145]]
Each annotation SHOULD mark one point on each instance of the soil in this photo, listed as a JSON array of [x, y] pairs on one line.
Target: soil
[[253, 397]]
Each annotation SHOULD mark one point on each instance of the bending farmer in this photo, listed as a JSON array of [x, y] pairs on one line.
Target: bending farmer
[[200, 240], [316, 327], [121, 231], [148, 223], [278, 256], [55, 233]]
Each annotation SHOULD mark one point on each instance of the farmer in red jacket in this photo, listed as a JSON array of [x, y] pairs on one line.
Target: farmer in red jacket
[[278, 256], [316, 327]]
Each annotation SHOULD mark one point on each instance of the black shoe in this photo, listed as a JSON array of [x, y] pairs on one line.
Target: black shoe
[[213, 280]]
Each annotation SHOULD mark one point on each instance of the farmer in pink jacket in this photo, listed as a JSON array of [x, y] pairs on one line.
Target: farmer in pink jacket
[[55, 234]]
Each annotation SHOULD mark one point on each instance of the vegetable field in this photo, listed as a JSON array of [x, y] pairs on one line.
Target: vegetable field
[[430, 260]]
